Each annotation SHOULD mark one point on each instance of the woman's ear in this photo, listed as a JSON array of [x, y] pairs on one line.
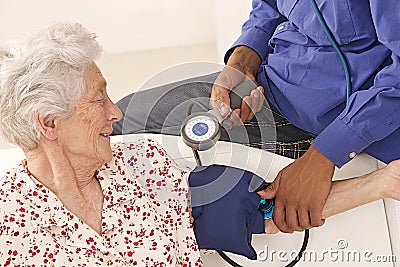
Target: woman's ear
[[47, 126]]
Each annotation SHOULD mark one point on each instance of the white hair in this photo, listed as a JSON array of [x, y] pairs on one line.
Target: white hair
[[43, 74]]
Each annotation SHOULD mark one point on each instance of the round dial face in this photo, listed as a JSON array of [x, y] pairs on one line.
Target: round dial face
[[200, 128]]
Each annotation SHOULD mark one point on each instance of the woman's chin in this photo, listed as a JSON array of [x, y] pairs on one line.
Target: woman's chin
[[107, 155], [107, 159], [104, 153]]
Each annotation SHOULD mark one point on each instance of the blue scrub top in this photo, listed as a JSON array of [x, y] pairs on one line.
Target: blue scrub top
[[304, 79]]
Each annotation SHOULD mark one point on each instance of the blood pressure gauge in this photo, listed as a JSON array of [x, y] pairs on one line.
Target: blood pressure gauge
[[202, 130]]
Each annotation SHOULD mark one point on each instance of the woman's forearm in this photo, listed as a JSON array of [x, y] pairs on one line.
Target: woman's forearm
[[350, 193]]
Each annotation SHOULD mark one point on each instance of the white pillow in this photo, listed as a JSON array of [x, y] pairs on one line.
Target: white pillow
[[9, 158]]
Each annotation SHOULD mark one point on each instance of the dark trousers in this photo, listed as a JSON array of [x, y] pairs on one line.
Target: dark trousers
[[162, 110]]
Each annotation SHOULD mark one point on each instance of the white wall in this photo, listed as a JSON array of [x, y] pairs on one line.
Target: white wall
[[229, 17], [122, 25]]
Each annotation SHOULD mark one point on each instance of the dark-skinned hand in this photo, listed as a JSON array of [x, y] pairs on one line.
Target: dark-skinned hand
[[300, 192], [242, 65]]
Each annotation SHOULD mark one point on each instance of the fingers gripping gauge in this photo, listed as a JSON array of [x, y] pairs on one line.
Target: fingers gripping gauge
[[202, 130]]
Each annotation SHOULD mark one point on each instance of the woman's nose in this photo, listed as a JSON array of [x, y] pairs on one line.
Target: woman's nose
[[115, 113]]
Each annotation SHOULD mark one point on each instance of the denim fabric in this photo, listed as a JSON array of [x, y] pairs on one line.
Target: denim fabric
[[162, 110]]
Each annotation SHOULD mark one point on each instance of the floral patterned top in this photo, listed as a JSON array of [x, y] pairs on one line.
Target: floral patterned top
[[145, 220]]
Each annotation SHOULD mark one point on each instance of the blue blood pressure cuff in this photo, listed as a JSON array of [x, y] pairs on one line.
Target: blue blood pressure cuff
[[226, 208]]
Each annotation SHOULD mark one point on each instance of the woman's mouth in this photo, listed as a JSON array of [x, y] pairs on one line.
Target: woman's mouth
[[105, 135]]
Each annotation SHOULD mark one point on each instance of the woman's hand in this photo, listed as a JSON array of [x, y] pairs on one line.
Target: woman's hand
[[242, 65], [391, 187], [270, 227]]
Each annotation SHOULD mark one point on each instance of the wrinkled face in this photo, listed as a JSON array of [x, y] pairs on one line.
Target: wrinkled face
[[86, 134]]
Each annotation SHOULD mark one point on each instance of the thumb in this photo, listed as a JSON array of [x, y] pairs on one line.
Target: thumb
[[270, 191], [220, 99]]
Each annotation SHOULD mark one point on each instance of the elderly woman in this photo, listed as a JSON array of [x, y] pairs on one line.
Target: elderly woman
[[72, 201], [76, 200]]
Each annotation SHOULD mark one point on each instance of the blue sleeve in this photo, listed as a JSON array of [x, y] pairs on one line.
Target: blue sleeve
[[257, 31], [372, 114], [225, 208]]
